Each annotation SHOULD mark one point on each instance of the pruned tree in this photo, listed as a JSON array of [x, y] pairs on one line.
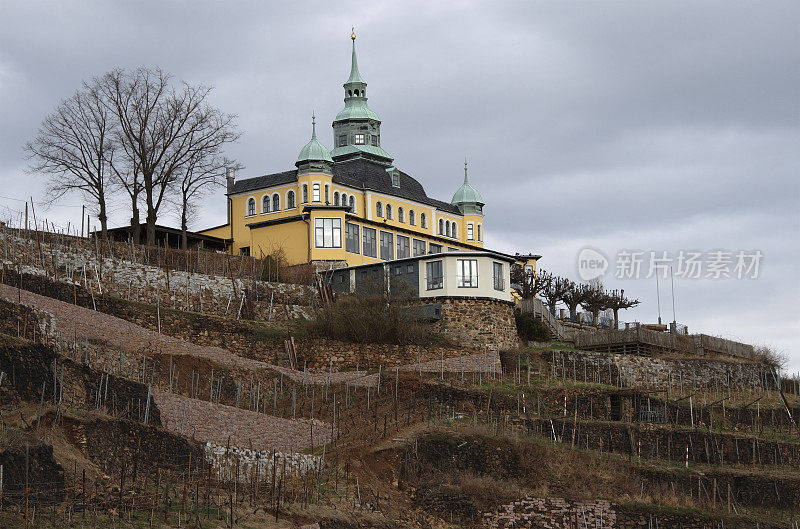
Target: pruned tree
[[530, 281], [595, 300], [162, 128], [75, 146], [553, 291], [617, 301], [573, 296]]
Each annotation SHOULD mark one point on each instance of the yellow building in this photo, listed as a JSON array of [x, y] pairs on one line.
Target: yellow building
[[349, 205]]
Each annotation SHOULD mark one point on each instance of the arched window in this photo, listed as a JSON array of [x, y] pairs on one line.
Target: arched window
[[447, 228], [335, 198], [441, 227], [389, 211], [412, 219], [276, 202], [423, 220], [401, 217], [455, 230], [290, 200], [265, 204], [305, 193], [251, 206], [352, 204], [378, 209], [315, 192]]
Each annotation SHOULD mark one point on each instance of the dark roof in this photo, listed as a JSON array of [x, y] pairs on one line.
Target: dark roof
[[360, 174], [260, 182]]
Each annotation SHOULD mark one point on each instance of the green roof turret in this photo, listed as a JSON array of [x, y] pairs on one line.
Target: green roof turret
[[467, 197], [314, 157], [356, 128]]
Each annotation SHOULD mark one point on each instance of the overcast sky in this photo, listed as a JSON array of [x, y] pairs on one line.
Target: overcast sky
[[630, 125]]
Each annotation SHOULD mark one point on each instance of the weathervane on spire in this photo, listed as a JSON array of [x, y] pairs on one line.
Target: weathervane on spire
[[313, 124], [353, 33], [465, 168]]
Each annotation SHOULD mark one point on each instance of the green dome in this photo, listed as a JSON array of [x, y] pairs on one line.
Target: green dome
[[314, 151], [467, 194], [355, 110]]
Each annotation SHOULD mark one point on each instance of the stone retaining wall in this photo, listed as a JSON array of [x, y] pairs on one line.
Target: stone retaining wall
[[558, 513], [227, 296], [485, 324], [248, 466], [679, 375]]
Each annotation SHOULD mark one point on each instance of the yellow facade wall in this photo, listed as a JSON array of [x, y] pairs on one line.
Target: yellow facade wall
[[296, 237]]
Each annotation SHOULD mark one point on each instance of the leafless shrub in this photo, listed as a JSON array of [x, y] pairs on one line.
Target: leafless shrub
[[770, 356], [373, 315]]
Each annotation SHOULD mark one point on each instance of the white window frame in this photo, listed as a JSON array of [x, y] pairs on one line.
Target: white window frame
[[267, 203], [470, 231], [397, 246], [247, 207], [498, 280], [289, 205], [375, 241], [316, 192], [333, 232], [467, 273], [358, 237], [429, 284], [390, 257], [274, 197]]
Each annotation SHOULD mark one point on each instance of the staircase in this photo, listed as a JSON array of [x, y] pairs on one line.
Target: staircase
[[541, 312]]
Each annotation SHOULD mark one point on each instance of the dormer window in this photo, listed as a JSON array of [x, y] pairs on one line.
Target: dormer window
[[374, 140], [395, 179], [342, 140], [359, 139]]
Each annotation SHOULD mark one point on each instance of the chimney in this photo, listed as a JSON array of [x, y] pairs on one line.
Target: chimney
[[230, 179]]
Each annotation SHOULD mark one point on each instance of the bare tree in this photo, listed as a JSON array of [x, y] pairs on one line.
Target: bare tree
[[75, 146], [553, 291], [572, 297], [129, 178], [595, 300], [617, 301], [204, 170], [530, 282], [162, 128]]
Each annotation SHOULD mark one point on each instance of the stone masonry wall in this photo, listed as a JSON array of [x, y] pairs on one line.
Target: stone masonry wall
[[485, 324], [682, 375], [135, 280], [558, 513], [30, 367], [246, 466]]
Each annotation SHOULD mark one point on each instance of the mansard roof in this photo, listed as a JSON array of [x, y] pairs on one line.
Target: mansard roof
[[358, 173]]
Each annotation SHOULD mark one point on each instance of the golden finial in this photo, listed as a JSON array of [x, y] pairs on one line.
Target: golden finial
[[353, 33]]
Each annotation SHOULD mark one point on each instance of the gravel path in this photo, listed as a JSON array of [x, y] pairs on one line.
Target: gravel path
[[222, 424], [74, 320]]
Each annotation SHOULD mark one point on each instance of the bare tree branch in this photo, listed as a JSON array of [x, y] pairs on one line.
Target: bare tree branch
[[75, 146]]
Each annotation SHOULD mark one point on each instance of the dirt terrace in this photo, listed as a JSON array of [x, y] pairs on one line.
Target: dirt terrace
[[223, 425]]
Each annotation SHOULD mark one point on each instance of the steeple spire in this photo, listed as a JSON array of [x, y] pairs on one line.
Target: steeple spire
[[466, 180], [355, 76], [313, 125]]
